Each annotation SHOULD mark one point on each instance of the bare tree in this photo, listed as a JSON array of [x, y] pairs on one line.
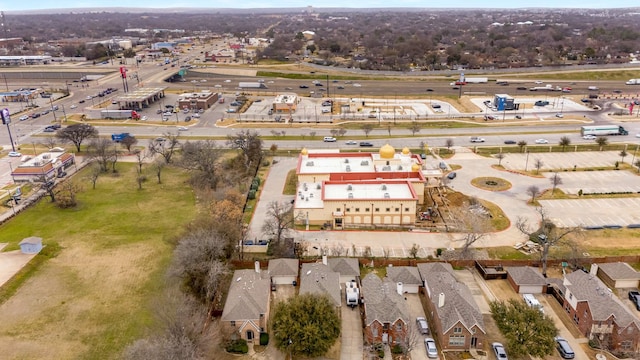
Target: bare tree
[[500, 156], [410, 339], [449, 143], [623, 154], [367, 128], [279, 221], [94, 173], [165, 146], [250, 145], [128, 142], [99, 150], [555, 181], [547, 234], [202, 159], [522, 144], [50, 142], [157, 166], [564, 142], [76, 134], [66, 194], [474, 224], [415, 128], [537, 163], [342, 131], [602, 142], [533, 191], [312, 134]]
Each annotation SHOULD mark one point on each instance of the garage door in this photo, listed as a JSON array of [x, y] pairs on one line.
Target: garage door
[[531, 289]]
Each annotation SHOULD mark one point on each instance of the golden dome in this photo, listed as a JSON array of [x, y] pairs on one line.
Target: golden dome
[[304, 151], [387, 152], [406, 151], [415, 167]]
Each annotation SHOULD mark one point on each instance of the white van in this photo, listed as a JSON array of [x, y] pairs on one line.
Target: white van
[[531, 300], [329, 139]]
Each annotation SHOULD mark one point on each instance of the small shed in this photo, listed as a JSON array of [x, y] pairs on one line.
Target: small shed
[[406, 277], [31, 245], [617, 275], [526, 280]]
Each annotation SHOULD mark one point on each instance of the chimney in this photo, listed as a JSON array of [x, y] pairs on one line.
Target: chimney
[[440, 300], [257, 266], [594, 269], [399, 288], [324, 259]]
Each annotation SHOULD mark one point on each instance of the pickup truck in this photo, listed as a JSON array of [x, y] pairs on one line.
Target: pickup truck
[[476, 139], [634, 296]]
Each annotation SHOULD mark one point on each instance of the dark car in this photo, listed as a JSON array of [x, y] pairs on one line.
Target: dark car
[[340, 88], [49, 129], [318, 84], [61, 174], [35, 115], [81, 101], [429, 90], [304, 87], [452, 175], [366, 144], [510, 142], [521, 88]]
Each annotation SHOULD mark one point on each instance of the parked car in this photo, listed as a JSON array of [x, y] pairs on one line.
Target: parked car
[[436, 106], [49, 129], [542, 141], [340, 87], [475, 139], [187, 118], [452, 175], [14, 154], [304, 87], [510, 142], [56, 149], [498, 349], [589, 137], [73, 106], [61, 174], [422, 325], [634, 296], [564, 348], [24, 117], [541, 103], [489, 117], [432, 350], [366, 144]]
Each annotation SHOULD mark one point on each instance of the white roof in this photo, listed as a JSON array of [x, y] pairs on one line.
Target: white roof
[[326, 165], [368, 191]]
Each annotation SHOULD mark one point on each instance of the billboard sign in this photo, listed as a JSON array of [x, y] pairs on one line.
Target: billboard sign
[[6, 116]]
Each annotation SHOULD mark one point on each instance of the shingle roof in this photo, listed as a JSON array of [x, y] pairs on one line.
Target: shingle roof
[[382, 301], [344, 266], [459, 305], [602, 302], [317, 278], [404, 274], [526, 275], [620, 271], [248, 296], [283, 267]]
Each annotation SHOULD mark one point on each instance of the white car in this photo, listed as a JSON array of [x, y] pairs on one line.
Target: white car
[[475, 139], [592, 137], [539, 82], [182, 128], [542, 141], [498, 349], [432, 350], [24, 117], [357, 85], [144, 118], [14, 154], [638, 135], [559, 115], [227, 81], [74, 106]]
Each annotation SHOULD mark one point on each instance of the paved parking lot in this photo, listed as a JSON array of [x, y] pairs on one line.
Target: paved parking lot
[[593, 212], [597, 181], [556, 161]]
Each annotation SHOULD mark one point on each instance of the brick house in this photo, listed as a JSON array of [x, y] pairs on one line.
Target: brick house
[[386, 313], [457, 318], [599, 314], [246, 310]]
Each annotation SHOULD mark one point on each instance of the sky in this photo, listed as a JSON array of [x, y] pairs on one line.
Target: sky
[[248, 4]]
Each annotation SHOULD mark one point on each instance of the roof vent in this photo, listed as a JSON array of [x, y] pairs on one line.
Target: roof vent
[[309, 163], [349, 187], [384, 187], [364, 162], [346, 161], [348, 169], [399, 167], [386, 168], [350, 195], [386, 195]]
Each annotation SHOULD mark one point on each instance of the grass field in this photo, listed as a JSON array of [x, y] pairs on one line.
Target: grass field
[[94, 297]]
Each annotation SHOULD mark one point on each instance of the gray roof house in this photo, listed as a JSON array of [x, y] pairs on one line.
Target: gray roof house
[[283, 271], [526, 280], [618, 275], [386, 313], [317, 278], [409, 276], [597, 311], [458, 320], [348, 268], [246, 310]]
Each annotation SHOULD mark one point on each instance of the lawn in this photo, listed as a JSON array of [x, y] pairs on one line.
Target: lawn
[[94, 297]]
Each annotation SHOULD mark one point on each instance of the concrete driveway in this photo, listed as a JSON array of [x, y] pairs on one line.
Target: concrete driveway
[[415, 308], [351, 333]]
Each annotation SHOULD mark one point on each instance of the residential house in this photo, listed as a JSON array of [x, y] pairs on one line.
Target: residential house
[[526, 280], [386, 313], [457, 318], [283, 271], [617, 275], [348, 268], [246, 310], [317, 278], [408, 276], [599, 314]]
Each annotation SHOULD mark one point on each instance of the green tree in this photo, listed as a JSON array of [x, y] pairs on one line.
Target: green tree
[[527, 330], [521, 145], [306, 325], [76, 134], [602, 142]]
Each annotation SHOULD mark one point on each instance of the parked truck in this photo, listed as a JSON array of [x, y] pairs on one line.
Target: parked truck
[[476, 80], [633, 82], [120, 114], [352, 293], [119, 137], [603, 130], [252, 85]]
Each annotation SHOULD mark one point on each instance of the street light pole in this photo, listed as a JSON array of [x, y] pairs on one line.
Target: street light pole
[[526, 164]]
